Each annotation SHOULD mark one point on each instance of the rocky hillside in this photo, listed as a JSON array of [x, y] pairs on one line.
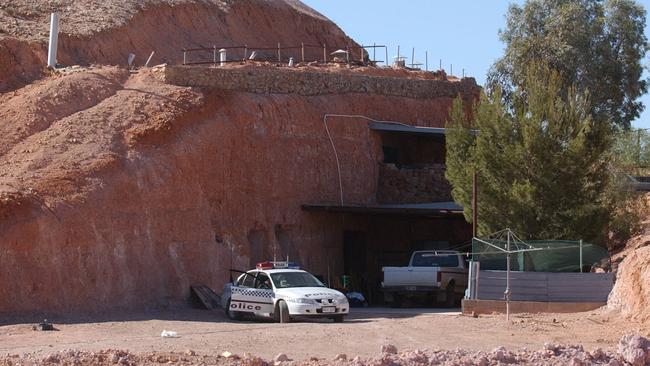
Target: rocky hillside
[[105, 32]]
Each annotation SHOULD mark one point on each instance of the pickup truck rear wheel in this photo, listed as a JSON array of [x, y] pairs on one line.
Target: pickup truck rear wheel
[[281, 313], [397, 301], [450, 295]]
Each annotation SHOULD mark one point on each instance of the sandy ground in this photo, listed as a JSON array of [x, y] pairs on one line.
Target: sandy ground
[[363, 333]]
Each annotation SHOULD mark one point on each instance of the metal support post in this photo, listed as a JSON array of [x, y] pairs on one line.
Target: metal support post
[[426, 61], [279, 54], [386, 49], [581, 262], [474, 204], [374, 52], [413, 58], [214, 54], [507, 293], [302, 51]]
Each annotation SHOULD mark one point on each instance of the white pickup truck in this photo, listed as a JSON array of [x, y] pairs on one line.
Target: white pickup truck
[[438, 273]]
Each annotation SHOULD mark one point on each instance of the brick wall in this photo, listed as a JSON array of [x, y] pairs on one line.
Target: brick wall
[[275, 80], [420, 184]]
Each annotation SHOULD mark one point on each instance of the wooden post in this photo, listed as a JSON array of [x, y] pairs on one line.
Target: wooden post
[[214, 54], [324, 53], [302, 46], [474, 204], [279, 54], [184, 57]]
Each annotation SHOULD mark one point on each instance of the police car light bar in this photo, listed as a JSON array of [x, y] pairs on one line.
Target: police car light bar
[[276, 265], [264, 265]]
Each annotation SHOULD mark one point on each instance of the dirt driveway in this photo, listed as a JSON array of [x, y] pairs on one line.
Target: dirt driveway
[[362, 334]]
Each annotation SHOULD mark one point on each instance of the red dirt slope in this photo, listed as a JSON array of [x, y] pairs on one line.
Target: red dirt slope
[[105, 32]]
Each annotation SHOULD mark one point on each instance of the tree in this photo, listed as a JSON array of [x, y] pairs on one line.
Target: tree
[[541, 160], [596, 45]]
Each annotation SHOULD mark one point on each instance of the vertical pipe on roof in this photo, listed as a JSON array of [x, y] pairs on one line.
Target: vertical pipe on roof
[[54, 39]]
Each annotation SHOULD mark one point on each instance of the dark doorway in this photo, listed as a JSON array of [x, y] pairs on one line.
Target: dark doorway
[[355, 259]]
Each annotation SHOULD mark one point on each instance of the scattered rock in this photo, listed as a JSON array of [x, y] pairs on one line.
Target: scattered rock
[[634, 349], [281, 357], [389, 349], [341, 357]]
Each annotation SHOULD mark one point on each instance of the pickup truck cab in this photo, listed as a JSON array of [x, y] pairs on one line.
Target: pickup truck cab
[[438, 273]]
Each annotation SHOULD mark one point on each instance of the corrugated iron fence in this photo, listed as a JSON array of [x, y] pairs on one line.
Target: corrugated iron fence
[[546, 286]]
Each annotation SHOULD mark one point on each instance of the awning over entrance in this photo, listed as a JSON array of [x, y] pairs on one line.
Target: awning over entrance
[[433, 209], [408, 129]]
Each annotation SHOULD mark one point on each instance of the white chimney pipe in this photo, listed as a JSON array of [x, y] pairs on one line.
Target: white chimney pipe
[[222, 57], [54, 38]]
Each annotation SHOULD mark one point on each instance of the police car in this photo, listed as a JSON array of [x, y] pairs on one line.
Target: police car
[[275, 290]]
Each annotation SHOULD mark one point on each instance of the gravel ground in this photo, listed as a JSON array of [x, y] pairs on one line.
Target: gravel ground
[[422, 336]]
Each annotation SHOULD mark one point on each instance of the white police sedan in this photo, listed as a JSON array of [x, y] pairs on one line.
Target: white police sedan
[[282, 294]]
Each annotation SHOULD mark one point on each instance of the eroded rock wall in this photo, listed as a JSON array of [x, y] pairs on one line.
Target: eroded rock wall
[[106, 32], [129, 201]]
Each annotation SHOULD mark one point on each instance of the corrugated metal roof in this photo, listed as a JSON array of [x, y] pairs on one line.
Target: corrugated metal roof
[[404, 128], [413, 209]]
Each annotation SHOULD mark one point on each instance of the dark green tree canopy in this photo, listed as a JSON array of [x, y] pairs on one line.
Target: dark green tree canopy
[[541, 162], [596, 45]]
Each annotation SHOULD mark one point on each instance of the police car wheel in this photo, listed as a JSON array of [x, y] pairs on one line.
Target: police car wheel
[[281, 313], [232, 315]]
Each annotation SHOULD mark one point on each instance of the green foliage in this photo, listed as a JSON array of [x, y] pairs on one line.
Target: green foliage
[[631, 152], [596, 45], [542, 163]]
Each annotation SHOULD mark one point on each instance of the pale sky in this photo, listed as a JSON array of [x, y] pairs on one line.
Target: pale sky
[[463, 33]]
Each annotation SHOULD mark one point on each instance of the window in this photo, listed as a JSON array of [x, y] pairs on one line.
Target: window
[[295, 279], [434, 260], [263, 282], [249, 280]]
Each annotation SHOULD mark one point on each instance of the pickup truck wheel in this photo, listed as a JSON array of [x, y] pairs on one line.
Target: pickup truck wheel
[[232, 315], [397, 301], [281, 313], [450, 295]]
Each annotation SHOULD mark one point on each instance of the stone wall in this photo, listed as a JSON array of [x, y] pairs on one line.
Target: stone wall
[[275, 80], [419, 184]]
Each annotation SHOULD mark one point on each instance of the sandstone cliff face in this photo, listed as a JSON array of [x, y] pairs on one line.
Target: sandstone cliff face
[[120, 190], [105, 32], [126, 196]]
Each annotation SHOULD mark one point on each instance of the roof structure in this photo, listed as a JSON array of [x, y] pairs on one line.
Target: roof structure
[[408, 129], [432, 209]]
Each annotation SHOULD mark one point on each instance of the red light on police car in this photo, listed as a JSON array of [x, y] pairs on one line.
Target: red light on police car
[[264, 265]]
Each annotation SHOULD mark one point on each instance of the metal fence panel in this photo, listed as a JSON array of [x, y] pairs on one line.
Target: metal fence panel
[[546, 286]]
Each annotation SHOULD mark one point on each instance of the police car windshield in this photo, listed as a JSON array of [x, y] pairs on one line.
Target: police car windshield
[[295, 279]]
